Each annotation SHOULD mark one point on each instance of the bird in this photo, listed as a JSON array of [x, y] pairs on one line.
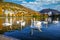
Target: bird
[[23, 23], [36, 25], [6, 24], [55, 22], [45, 22], [17, 22]]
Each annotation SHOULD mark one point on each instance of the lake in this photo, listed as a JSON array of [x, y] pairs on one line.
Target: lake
[[20, 28]]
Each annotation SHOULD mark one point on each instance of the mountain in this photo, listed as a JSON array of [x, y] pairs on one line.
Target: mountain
[[50, 10], [15, 9]]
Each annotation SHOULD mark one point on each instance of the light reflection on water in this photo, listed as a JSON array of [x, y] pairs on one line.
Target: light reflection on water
[[15, 23], [10, 23]]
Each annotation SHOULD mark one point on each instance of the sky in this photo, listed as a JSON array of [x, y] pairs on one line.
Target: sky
[[38, 5]]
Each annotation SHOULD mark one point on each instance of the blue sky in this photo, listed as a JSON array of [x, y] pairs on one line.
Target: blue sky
[[38, 5]]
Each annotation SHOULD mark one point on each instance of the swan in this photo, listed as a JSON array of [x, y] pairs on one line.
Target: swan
[[23, 23], [55, 22], [36, 25], [17, 22], [45, 22], [6, 24]]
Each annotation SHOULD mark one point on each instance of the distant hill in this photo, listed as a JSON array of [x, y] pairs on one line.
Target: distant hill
[[50, 10], [16, 9]]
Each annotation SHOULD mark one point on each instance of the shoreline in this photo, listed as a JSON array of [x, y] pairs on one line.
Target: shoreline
[[3, 37]]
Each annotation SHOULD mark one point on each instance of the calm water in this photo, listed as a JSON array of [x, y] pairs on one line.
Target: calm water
[[12, 23], [12, 27]]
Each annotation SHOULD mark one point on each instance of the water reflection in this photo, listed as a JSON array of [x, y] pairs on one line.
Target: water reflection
[[7, 22], [49, 19], [56, 21], [35, 24], [12, 23], [19, 23], [46, 22]]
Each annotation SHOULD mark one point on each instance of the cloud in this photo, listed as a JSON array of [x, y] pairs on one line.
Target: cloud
[[48, 1], [57, 7], [41, 4], [38, 5]]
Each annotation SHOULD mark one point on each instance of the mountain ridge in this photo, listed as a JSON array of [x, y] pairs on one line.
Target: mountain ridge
[[49, 10], [15, 7]]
